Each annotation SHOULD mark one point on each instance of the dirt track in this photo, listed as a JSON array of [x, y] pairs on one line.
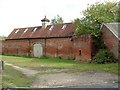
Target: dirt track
[[80, 79], [25, 71], [74, 80]]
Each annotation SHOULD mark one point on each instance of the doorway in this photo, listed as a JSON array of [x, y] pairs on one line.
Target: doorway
[[37, 50]]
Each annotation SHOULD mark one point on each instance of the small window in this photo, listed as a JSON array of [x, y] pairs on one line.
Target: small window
[[25, 30], [80, 52], [51, 28], [64, 26], [17, 31], [34, 29]]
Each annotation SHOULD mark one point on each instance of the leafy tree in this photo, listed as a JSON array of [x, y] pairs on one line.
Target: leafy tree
[[95, 15], [3, 37], [81, 27], [57, 20]]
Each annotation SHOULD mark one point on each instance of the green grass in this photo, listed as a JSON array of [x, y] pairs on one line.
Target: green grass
[[49, 63], [14, 78]]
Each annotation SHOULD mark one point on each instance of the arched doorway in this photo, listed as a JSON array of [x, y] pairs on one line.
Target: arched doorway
[[37, 50]]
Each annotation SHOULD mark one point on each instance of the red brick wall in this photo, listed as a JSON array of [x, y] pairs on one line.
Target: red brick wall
[[1, 46], [83, 47], [59, 47], [53, 47], [16, 47], [110, 41]]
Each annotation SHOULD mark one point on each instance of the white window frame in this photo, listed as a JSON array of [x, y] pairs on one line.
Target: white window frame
[[25, 30], [34, 29], [64, 26], [51, 28], [17, 31]]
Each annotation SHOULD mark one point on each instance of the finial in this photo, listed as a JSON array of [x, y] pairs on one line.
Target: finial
[[45, 19]]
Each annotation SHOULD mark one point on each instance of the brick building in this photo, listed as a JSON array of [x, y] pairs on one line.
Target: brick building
[[111, 38], [49, 40]]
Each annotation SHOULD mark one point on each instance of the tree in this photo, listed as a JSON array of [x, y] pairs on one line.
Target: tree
[[81, 27], [95, 15], [3, 37], [57, 20]]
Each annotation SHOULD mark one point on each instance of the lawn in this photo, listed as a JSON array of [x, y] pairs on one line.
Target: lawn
[[44, 62], [14, 78]]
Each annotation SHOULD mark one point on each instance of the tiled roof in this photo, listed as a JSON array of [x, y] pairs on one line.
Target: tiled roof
[[114, 28], [57, 31]]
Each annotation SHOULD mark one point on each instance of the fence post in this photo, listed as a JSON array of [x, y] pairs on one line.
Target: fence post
[[1, 68]]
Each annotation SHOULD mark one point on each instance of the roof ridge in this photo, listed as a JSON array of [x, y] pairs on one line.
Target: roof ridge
[[41, 25], [112, 23]]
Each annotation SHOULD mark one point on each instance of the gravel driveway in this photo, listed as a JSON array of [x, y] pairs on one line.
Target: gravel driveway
[[70, 80], [77, 80]]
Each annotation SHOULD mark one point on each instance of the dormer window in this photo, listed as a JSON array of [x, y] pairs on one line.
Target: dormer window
[[17, 31], [34, 29], [25, 30], [51, 28], [64, 26]]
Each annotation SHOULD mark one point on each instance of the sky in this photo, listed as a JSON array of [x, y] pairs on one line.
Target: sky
[[28, 13]]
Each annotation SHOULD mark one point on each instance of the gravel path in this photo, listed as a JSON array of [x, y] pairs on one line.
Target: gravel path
[[78, 80], [72, 80], [25, 71]]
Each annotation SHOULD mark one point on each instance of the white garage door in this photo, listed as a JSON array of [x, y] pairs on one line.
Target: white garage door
[[37, 50]]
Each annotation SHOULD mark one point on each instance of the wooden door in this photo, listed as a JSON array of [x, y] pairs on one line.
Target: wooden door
[[38, 50]]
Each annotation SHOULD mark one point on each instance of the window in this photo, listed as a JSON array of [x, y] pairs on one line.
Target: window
[[64, 26], [17, 31], [51, 28], [80, 52], [25, 30], [34, 29]]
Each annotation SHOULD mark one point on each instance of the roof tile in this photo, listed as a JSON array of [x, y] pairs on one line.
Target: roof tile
[[43, 32]]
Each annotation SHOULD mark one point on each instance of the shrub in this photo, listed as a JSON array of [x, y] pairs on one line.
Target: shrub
[[103, 57]]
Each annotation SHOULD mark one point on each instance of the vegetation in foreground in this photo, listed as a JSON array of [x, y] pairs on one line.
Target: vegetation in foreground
[[14, 78], [104, 56], [45, 62]]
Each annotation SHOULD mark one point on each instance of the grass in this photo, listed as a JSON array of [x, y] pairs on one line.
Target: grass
[[14, 78], [49, 63]]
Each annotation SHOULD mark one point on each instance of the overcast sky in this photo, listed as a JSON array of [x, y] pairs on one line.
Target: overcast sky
[[28, 13]]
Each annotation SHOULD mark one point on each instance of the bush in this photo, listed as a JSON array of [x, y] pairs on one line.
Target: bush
[[103, 57]]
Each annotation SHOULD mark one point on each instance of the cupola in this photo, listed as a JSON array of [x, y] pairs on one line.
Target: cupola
[[45, 22]]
